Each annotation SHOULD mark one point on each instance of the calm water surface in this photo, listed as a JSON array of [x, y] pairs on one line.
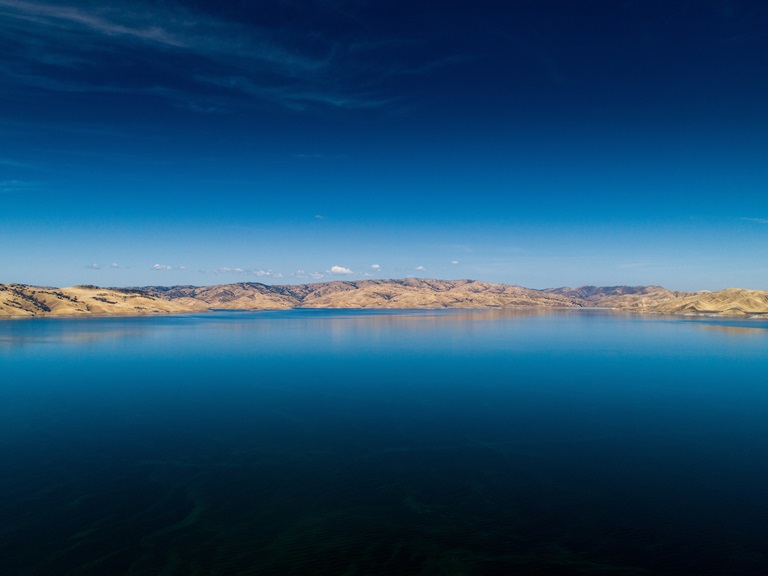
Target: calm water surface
[[351, 443]]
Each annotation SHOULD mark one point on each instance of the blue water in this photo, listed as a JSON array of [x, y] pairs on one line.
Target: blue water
[[370, 442]]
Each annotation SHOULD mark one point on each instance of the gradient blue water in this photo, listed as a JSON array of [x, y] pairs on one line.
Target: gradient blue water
[[349, 442]]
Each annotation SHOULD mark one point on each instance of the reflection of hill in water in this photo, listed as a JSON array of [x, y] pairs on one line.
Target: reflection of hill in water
[[737, 330], [522, 441]]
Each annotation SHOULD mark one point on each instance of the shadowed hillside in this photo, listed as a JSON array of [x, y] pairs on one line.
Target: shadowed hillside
[[22, 300], [406, 293]]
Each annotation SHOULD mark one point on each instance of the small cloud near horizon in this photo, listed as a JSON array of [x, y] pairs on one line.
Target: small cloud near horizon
[[93, 266], [340, 270], [454, 261], [114, 265], [162, 267], [302, 274], [268, 273], [375, 267], [240, 270], [421, 268]]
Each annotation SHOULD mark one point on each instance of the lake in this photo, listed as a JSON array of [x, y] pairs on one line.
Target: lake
[[332, 442]]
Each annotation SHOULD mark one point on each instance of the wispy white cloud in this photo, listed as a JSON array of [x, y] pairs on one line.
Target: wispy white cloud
[[18, 186], [294, 95], [461, 248], [93, 266], [421, 268], [54, 15], [268, 273], [376, 267], [114, 265], [12, 163], [272, 64], [340, 270], [162, 267], [454, 261], [757, 220], [302, 274], [246, 271]]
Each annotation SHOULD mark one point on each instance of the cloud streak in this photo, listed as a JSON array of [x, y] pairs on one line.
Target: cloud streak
[[54, 44], [228, 270], [53, 15], [17, 186], [245, 271], [302, 274], [11, 163]]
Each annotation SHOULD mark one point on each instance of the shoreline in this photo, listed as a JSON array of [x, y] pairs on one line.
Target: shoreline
[[539, 309], [18, 301]]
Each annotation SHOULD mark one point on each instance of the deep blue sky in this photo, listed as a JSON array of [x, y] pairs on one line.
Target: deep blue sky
[[541, 143]]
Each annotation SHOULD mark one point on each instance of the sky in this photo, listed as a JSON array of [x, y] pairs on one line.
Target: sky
[[540, 143]]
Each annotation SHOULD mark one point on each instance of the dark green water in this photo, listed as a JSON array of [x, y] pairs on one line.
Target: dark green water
[[351, 443]]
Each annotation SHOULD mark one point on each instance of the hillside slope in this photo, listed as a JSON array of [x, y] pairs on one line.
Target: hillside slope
[[22, 300]]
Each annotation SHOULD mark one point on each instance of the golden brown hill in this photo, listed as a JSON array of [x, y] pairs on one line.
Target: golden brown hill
[[406, 293], [21, 300], [731, 301], [418, 293], [242, 296], [643, 298], [655, 299]]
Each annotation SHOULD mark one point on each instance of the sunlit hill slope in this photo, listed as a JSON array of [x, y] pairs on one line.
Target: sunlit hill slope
[[22, 300]]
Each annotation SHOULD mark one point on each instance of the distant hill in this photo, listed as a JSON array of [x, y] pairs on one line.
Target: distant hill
[[732, 301], [23, 300], [634, 297]]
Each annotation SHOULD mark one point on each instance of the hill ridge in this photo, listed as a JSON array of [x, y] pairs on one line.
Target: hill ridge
[[426, 293]]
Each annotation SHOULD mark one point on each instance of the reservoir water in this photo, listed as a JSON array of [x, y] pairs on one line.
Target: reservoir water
[[372, 442]]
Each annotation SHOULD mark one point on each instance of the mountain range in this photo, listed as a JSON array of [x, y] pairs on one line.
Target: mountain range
[[23, 300]]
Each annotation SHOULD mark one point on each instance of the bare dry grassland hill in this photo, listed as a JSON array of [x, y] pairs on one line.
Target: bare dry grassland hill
[[18, 300]]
